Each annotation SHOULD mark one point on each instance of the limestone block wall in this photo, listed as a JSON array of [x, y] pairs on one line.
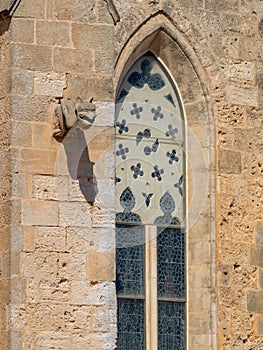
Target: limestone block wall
[[62, 264], [57, 247], [5, 180]]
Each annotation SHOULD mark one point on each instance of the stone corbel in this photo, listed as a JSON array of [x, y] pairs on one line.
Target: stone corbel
[[70, 114]]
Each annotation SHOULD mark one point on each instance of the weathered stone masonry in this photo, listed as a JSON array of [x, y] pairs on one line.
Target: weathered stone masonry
[[57, 250]]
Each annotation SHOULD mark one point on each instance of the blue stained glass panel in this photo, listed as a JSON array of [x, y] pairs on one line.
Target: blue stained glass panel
[[130, 260], [170, 268], [131, 324], [171, 321]]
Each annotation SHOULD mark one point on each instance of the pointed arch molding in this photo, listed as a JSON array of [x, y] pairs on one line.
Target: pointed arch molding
[[159, 35]]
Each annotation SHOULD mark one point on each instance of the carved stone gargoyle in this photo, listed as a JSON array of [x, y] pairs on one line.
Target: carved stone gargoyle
[[71, 114]]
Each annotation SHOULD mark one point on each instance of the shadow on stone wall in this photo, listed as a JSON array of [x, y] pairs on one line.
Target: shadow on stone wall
[[4, 25], [79, 164]]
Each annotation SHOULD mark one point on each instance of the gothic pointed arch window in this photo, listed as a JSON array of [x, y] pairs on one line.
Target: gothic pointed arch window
[[150, 200]]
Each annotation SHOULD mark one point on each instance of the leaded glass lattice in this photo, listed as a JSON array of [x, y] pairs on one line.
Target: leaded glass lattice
[[170, 253], [150, 203], [131, 323], [171, 325], [130, 260]]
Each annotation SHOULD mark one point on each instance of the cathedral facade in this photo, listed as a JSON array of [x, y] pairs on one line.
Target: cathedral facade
[[131, 179]]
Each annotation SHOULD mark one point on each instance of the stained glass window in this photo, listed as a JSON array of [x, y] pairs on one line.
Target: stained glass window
[[149, 181]]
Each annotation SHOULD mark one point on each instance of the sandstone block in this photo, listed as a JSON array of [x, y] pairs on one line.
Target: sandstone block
[[54, 289], [103, 318], [22, 82], [103, 217], [38, 162], [49, 84], [200, 299], [259, 325], [230, 162], [55, 340], [82, 240], [22, 30], [78, 11], [72, 265], [104, 61], [32, 57], [29, 238], [50, 239], [54, 295], [17, 243], [101, 266], [225, 5], [101, 87], [75, 214], [260, 277], [239, 70], [199, 276], [103, 13], [256, 255], [240, 24], [93, 293], [77, 317], [37, 212], [247, 139], [249, 49], [103, 341], [83, 36], [29, 108], [30, 339], [73, 61], [199, 253], [35, 316], [52, 33], [199, 323], [22, 134], [16, 340], [259, 232], [18, 290], [42, 136], [40, 264], [105, 114], [26, 9], [242, 94], [19, 186], [50, 187], [254, 301]]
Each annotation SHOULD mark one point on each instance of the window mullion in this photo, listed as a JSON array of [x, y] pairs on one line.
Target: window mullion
[[151, 288]]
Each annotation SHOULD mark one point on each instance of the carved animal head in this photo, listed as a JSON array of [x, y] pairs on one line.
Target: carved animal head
[[85, 113], [73, 114]]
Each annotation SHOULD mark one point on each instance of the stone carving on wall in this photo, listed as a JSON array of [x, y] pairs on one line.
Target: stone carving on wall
[[113, 11], [70, 114]]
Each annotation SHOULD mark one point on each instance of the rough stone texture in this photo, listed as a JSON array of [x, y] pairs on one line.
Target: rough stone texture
[[59, 276], [5, 181]]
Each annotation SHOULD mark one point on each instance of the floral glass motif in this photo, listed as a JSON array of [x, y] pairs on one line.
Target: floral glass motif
[[172, 156], [157, 113], [171, 132], [136, 111], [139, 137], [122, 151], [149, 190], [122, 126], [137, 170], [138, 80]]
